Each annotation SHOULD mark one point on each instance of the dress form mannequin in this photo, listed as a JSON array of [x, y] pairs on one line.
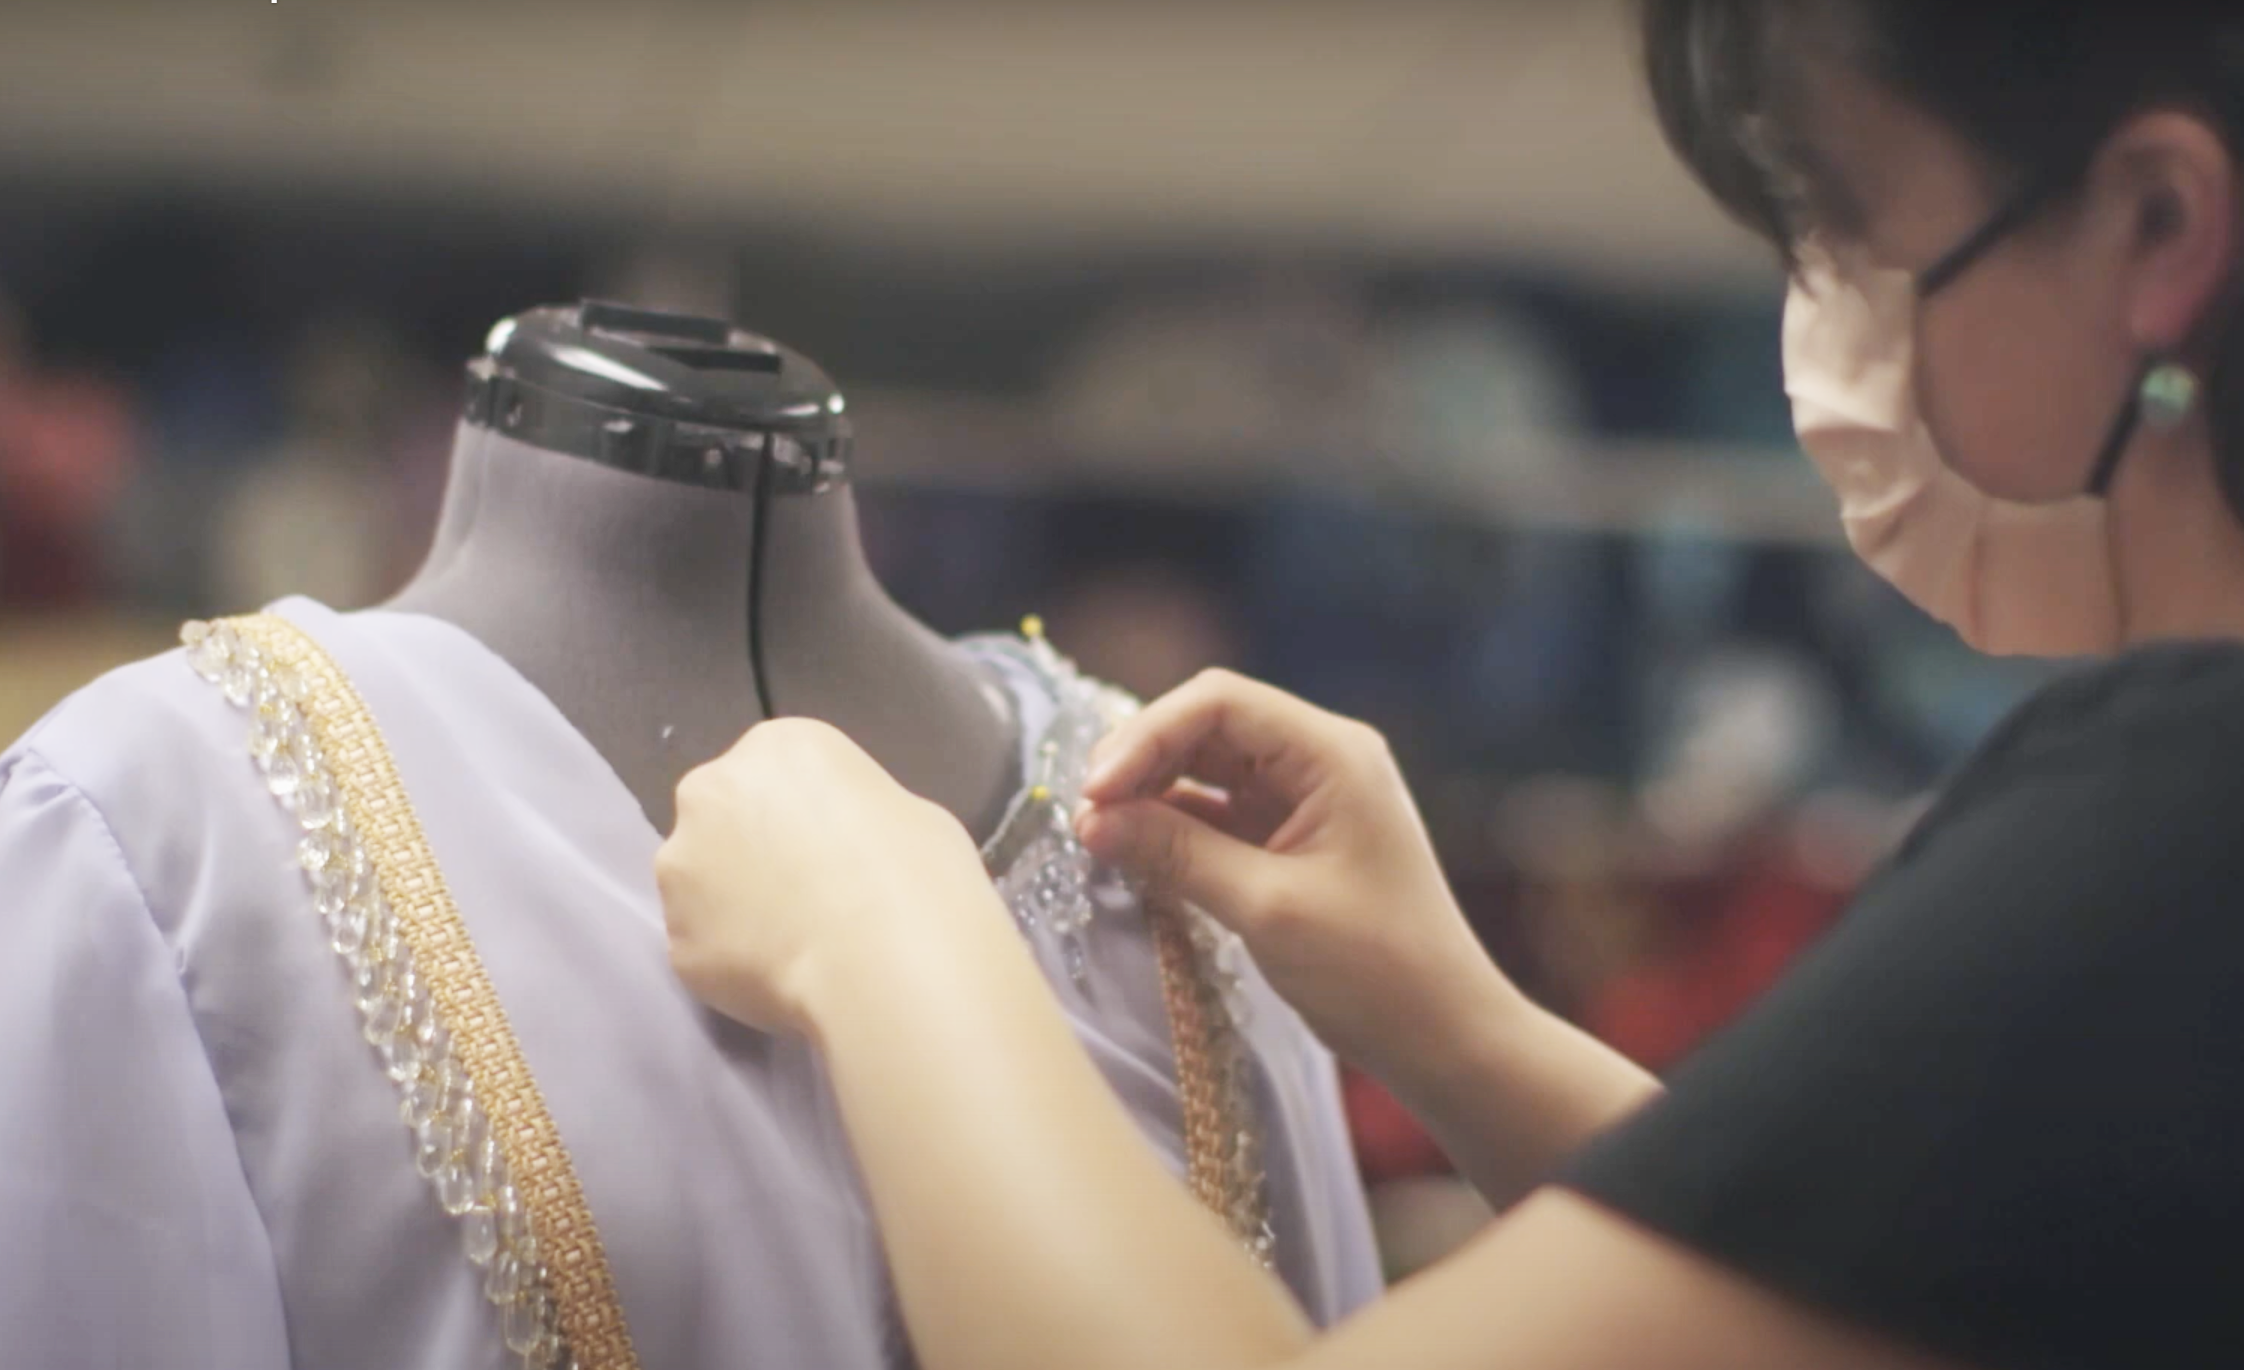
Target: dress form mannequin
[[638, 599], [265, 927], [462, 478]]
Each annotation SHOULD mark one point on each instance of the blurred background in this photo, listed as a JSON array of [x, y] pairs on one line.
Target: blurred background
[[1374, 348]]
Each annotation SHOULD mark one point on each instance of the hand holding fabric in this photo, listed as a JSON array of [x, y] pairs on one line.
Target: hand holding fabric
[[1293, 827], [795, 851]]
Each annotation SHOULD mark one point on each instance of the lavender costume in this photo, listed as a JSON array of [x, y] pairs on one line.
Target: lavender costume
[[202, 1165]]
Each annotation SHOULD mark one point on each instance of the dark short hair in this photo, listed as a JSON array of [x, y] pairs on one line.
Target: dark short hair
[[2033, 87], [2029, 85]]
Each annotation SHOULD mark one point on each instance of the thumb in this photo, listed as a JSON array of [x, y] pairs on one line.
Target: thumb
[[1178, 854]]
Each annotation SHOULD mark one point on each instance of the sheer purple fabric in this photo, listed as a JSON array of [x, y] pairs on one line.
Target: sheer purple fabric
[[202, 1165]]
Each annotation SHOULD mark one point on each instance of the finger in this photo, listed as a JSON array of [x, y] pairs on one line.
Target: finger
[[1239, 816], [1216, 808], [1178, 855], [1219, 728], [1215, 764], [1211, 806]]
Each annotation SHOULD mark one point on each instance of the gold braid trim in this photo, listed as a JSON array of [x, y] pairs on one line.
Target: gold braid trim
[[1222, 1139], [584, 1293], [1200, 1092]]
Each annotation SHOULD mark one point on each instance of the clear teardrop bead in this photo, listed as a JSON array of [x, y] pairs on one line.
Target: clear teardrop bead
[[347, 930], [452, 1077], [523, 1319], [370, 982], [401, 1056], [267, 735], [383, 1021], [283, 777], [514, 1227], [206, 650], [490, 1171], [381, 920], [315, 804], [315, 851], [420, 1102], [455, 1187], [432, 1146], [1239, 1006], [504, 1280], [544, 1353], [479, 1236], [239, 682], [469, 1129], [331, 890], [305, 749]]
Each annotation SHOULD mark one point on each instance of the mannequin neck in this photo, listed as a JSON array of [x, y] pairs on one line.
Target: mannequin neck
[[626, 600]]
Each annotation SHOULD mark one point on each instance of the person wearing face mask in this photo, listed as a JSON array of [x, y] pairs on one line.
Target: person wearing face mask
[[1995, 1119]]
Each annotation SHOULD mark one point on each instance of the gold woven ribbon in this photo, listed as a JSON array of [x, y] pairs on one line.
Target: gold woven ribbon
[[1208, 1128], [583, 1290]]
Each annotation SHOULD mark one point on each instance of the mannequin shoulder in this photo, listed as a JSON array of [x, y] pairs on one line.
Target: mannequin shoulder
[[145, 734]]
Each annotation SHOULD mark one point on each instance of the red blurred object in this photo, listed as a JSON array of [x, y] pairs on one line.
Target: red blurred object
[[1390, 1143], [66, 453], [1749, 926]]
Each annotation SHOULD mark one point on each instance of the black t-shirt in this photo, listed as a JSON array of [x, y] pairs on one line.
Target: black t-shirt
[[1998, 1112]]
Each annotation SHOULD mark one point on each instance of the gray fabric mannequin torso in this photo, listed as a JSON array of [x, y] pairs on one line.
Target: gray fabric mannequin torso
[[626, 600]]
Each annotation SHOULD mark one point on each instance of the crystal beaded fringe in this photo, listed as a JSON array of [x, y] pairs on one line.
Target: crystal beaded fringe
[[453, 1146], [1047, 876], [1049, 879]]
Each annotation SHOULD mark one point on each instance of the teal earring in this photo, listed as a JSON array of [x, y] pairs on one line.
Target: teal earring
[[2169, 393]]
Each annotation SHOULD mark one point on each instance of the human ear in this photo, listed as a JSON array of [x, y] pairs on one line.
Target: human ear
[[2182, 185]]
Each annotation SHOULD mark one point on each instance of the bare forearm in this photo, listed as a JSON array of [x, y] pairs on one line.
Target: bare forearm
[[1026, 1221], [1508, 1089]]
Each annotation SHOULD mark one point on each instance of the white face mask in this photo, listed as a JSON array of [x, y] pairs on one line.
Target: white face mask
[[2011, 578]]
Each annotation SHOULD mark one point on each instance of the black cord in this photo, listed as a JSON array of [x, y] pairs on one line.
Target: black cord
[[762, 536]]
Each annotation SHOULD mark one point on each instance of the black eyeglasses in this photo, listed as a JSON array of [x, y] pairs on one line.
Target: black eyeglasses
[[2031, 198]]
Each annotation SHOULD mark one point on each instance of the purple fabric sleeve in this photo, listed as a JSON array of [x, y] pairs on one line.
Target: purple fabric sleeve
[[127, 1232]]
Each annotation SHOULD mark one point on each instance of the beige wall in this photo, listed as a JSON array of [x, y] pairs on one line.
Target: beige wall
[[1434, 126], [43, 660]]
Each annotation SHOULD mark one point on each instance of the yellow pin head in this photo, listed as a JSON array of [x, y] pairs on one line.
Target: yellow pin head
[[1032, 627]]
